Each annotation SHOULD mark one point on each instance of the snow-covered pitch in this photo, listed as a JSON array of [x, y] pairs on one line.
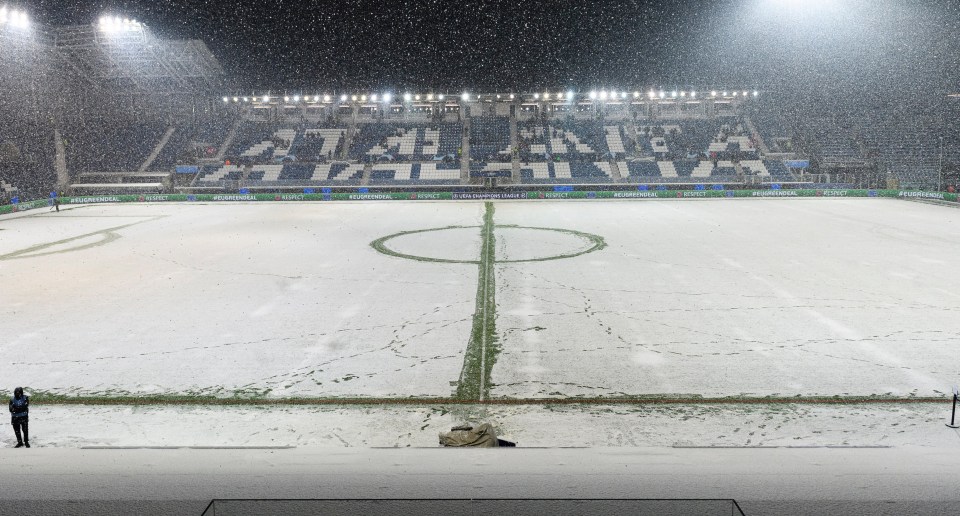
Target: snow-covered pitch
[[724, 298]]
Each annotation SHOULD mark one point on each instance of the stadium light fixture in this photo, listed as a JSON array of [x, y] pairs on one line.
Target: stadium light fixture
[[663, 94], [734, 94], [570, 95], [623, 94], [673, 94], [745, 94], [225, 99], [430, 96], [465, 96], [755, 93], [343, 98], [387, 97], [245, 99], [407, 97], [235, 99], [593, 95], [15, 18], [724, 94], [603, 94], [353, 98], [636, 94], [373, 97], [511, 96], [326, 98], [363, 98], [683, 94], [440, 96], [713, 93], [536, 96], [417, 97], [652, 94], [296, 98], [693, 94], [286, 98]]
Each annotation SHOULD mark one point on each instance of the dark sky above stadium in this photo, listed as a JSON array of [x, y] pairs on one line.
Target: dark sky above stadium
[[858, 45]]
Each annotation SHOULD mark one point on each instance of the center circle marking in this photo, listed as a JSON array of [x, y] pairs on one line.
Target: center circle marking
[[595, 242]]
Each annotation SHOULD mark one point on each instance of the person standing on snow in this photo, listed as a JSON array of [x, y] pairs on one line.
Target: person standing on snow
[[19, 408]]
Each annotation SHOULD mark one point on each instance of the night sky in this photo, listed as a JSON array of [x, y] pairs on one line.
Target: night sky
[[857, 45]]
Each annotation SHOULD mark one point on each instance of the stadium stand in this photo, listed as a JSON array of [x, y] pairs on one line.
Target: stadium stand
[[26, 161], [490, 138], [406, 142], [101, 145]]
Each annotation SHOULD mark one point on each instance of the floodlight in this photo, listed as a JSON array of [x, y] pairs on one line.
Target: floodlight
[[430, 96], [713, 93], [440, 96], [498, 96], [225, 99], [387, 97], [755, 93], [724, 94], [266, 98], [652, 94], [623, 94], [17, 19], [326, 98], [744, 94], [673, 94], [536, 96], [734, 94], [296, 98], [593, 95], [343, 98], [286, 98], [363, 98], [683, 94], [353, 98], [693, 94], [465, 96], [235, 99], [407, 97], [662, 94], [511, 96], [416, 97], [245, 99], [3, 15], [373, 97], [569, 95], [636, 94], [603, 94]]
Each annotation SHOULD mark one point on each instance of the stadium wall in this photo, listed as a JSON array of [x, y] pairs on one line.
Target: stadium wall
[[434, 196]]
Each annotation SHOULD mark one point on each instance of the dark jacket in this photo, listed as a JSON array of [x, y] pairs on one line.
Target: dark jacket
[[19, 406]]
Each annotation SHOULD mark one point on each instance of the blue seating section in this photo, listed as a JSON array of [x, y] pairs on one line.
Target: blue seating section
[[778, 171], [568, 140], [248, 135], [406, 142], [587, 171], [490, 138], [297, 172], [640, 169], [190, 142], [106, 146]]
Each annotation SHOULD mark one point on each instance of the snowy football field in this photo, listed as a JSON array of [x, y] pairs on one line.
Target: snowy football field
[[725, 298]]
